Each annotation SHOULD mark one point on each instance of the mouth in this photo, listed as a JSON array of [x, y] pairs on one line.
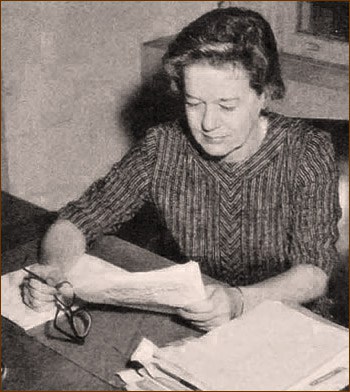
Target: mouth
[[214, 138]]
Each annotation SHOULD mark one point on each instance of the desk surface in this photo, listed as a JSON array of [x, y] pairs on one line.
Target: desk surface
[[41, 360], [35, 360], [32, 365]]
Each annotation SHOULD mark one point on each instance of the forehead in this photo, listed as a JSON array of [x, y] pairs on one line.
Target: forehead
[[203, 80]]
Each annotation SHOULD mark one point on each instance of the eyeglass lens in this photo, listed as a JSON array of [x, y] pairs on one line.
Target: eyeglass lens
[[73, 323], [82, 322]]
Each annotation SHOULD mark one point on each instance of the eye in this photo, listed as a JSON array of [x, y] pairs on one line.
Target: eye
[[228, 108], [192, 104]]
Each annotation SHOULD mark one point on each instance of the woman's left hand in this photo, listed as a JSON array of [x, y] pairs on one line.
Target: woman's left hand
[[221, 305]]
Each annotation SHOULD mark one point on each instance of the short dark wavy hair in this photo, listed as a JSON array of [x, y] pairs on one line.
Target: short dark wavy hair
[[233, 35]]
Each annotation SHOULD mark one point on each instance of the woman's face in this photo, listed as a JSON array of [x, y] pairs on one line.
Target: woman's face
[[222, 109]]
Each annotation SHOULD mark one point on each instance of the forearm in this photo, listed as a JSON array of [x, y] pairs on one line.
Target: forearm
[[300, 284], [62, 244]]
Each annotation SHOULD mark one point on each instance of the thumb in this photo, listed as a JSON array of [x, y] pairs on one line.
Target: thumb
[[204, 306], [51, 273], [210, 289]]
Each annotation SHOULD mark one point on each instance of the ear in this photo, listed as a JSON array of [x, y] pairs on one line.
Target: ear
[[264, 100]]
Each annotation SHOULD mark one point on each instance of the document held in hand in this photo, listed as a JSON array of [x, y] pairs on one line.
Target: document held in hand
[[95, 280], [272, 348]]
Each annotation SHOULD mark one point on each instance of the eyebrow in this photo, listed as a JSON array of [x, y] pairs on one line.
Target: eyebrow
[[231, 99]]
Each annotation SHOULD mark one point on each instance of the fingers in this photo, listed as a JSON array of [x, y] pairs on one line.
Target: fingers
[[196, 317], [210, 313], [205, 306], [198, 311], [205, 326], [41, 290], [209, 324], [36, 303], [36, 294]]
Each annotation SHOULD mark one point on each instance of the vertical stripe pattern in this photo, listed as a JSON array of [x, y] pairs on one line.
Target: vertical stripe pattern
[[243, 222]]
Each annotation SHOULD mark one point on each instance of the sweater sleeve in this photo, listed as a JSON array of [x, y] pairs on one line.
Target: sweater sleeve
[[116, 197], [316, 210]]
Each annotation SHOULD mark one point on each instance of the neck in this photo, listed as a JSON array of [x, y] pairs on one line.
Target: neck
[[252, 144]]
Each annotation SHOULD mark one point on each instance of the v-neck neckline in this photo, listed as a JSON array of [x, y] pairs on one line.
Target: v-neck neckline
[[256, 160]]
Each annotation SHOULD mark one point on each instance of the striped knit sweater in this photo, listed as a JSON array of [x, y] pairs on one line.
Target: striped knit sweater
[[243, 221]]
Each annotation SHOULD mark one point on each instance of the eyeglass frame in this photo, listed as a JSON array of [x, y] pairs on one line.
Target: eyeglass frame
[[69, 313], [67, 309]]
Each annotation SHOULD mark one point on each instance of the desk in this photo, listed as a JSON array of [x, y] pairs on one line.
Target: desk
[[37, 360]]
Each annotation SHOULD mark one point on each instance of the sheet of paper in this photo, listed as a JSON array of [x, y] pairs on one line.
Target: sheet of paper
[[162, 289], [96, 280], [332, 376], [12, 306], [166, 375], [269, 348]]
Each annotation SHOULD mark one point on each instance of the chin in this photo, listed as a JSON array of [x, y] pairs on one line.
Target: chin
[[216, 153], [215, 149]]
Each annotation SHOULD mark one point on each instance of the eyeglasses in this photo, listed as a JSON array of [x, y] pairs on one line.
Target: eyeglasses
[[75, 322]]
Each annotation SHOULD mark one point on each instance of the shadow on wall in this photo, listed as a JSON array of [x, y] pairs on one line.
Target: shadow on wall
[[150, 104]]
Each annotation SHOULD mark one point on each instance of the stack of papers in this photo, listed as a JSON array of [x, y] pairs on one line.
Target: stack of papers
[[273, 347]]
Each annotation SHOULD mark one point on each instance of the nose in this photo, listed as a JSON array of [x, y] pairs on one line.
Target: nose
[[210, 119]]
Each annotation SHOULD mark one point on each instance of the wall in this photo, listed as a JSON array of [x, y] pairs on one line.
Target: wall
[[4, 160], [69, 69], [308, 100], [313, 88]]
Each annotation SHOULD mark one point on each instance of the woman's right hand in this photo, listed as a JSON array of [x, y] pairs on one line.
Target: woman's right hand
[[61, 246], [38, 295]]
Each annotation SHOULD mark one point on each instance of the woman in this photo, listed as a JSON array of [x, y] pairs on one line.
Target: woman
[[252, 196]]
